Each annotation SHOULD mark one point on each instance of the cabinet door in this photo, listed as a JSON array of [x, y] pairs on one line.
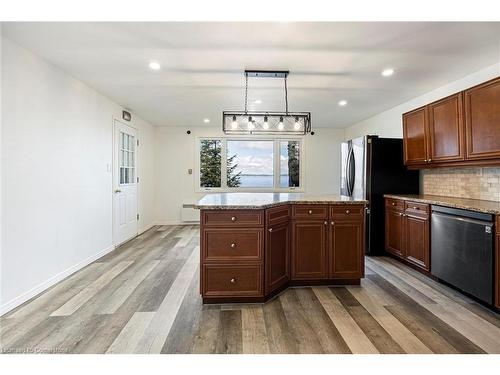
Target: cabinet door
[[446, 130], [309, 249], [415, 136], [394, 232], [417, 241], [346, 250], [482, 120], [277, 256]]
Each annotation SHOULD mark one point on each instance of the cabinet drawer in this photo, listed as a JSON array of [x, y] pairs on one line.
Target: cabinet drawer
[[346, 212], [396, 204], [233, 218], [414, 208], [232, 281], [277, 215], [232, 244], [310, 212]]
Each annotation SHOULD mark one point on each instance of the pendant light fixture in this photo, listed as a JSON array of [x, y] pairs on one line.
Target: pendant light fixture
[[252, 122]]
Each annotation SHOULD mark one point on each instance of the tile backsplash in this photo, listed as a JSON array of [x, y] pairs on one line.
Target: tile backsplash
[[475, 183]]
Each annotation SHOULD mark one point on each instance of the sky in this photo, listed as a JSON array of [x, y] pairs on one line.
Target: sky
[[256, 157]]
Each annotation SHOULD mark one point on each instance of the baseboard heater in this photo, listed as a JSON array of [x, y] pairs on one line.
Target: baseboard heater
[[189, 213]]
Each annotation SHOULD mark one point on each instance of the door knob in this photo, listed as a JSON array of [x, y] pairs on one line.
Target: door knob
[[118, 191]]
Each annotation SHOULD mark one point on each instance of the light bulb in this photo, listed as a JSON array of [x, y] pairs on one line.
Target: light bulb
[[280, 125], [250, 124], [234, 124], [297, 124], [266, 124]]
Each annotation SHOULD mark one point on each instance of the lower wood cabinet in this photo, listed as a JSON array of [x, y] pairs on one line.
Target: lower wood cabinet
[[250, 255], [309, 249], [497, 264], [277, 256], [346, 255], [407, 232]]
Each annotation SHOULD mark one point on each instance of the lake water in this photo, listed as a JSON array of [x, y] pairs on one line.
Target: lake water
[[261, 181]]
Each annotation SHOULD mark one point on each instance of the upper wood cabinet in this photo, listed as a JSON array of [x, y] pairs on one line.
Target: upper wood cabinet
[[461, 129], [446, 130], [415, 131], [482, 120]]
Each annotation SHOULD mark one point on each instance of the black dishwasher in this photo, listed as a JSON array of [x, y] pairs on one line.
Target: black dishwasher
[[462, 250]]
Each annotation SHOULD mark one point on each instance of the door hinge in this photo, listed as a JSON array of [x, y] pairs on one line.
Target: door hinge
[[137, 216], [137, 142], [137, 179]]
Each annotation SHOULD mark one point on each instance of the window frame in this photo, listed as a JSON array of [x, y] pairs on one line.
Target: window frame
[[276, 165]]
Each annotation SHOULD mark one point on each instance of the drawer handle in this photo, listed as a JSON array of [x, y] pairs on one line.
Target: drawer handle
[[393, 203], [400, 214], [347, 211], [415, 208], [270, 229], [232, 281], [233, 245], [233, 218], [310, 212]]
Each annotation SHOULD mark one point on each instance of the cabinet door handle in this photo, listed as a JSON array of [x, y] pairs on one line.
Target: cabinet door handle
[[233, 245], [233, 218], [430, 160], [393, 203], [400, 214], [232, 281], [270, 229], [310, 212], [347, 211], [326, 223], [332, 223]]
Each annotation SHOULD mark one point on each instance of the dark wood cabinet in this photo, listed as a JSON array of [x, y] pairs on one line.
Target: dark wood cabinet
[[250, 255], [482, 120], [460, 130], [346, 250], [415, 130], [277, 256], [417, 240], [394, 231], [407, 232], [309, 249], [446, 130]]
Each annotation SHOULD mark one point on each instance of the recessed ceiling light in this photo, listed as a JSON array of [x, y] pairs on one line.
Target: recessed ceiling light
[[153, 65], [342, 103], [388, 72], [206, 120], [258, 101]]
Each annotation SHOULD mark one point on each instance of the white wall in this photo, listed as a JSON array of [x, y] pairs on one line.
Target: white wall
[[389, 123], [57, 190], [176, 153]]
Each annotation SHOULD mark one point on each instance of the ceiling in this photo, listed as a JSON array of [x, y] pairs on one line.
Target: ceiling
[[202, 64]]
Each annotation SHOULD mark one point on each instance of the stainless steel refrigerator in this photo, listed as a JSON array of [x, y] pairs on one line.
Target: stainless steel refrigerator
[[372, 167]]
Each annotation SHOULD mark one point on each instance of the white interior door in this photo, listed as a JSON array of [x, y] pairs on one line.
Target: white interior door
[[124, 183]]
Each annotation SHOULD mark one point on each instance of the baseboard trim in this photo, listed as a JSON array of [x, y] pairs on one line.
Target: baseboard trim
[[145, 228], [177, 223], [19, 300]]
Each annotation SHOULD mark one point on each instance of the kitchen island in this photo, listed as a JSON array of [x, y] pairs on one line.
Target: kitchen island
[[254, 245]]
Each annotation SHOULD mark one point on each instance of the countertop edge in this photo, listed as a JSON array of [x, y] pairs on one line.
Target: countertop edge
[[444, 203], [274, 204]]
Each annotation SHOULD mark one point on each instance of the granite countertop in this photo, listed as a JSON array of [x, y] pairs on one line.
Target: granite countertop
[[227, 201], [490, 207]]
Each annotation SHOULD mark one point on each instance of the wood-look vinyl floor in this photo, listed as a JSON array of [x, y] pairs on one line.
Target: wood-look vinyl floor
[[144, 298]]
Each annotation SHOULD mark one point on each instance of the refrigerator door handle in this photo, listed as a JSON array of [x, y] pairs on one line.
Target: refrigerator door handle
[[351, 171]]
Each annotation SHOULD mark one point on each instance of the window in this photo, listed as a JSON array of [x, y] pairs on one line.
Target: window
[[243, 164], [127, 159]]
